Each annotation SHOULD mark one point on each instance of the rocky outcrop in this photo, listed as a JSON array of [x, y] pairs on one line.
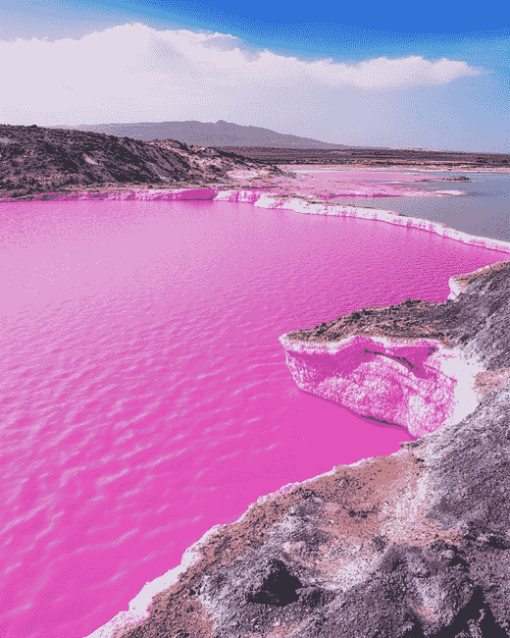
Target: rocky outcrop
[[416, 364], [41, 160], [418, 384], [413, 545]]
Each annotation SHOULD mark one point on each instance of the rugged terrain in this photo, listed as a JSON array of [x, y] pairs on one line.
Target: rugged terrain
[[45, 160], [413, 545]]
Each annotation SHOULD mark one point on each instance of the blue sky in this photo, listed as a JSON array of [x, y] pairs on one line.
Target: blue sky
[[435, 74]]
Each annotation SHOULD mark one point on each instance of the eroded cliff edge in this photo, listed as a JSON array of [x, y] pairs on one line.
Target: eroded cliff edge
[[419, 365], [416, 544]]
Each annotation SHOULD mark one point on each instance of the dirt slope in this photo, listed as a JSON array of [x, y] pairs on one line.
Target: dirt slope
[[38, 160]]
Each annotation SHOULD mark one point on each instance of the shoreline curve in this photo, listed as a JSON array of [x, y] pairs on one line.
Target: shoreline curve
[[263, 199], [139, 607]]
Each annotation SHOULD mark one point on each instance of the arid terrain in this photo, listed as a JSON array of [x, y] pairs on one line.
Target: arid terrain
[[217, 134], [51, 161], [413, 545], [46, 160], [376, 158]]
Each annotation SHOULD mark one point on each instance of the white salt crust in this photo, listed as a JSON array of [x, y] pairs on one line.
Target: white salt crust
[[451, 378]]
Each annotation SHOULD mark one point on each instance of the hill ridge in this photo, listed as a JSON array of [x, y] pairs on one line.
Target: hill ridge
[[207, 134]]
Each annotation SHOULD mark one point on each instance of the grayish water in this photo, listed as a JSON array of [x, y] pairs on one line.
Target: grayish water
[[483, 210]]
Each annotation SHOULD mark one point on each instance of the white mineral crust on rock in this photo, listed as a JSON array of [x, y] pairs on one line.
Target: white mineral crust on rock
[[419, 385]]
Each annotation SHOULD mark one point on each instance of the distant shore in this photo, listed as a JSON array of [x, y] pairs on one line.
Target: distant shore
[[373, 158], [45, 163], [394, 168]]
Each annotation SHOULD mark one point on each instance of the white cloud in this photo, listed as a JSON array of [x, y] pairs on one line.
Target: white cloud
[[133, 72], [382, 73]]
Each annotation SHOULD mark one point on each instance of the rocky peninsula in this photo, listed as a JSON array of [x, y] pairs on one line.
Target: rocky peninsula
[[412, 545]]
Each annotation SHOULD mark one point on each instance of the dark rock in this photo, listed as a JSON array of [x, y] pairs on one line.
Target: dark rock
[[272, 584]]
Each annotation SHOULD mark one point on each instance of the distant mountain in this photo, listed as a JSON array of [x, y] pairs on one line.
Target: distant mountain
[[207, 134]]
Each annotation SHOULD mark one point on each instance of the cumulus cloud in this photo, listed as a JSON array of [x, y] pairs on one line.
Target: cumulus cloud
[[134, 71]]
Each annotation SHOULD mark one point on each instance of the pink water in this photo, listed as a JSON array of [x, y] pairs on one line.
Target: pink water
[[144, 393]]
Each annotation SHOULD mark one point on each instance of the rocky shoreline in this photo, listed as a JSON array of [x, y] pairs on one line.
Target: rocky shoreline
[[53, 163], [411, 545], [307, 205]]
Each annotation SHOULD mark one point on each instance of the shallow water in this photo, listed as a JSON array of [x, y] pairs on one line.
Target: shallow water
[[144, 393], [483, 210]]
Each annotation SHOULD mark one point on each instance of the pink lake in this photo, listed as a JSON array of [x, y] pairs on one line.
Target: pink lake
[[143, 389]]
